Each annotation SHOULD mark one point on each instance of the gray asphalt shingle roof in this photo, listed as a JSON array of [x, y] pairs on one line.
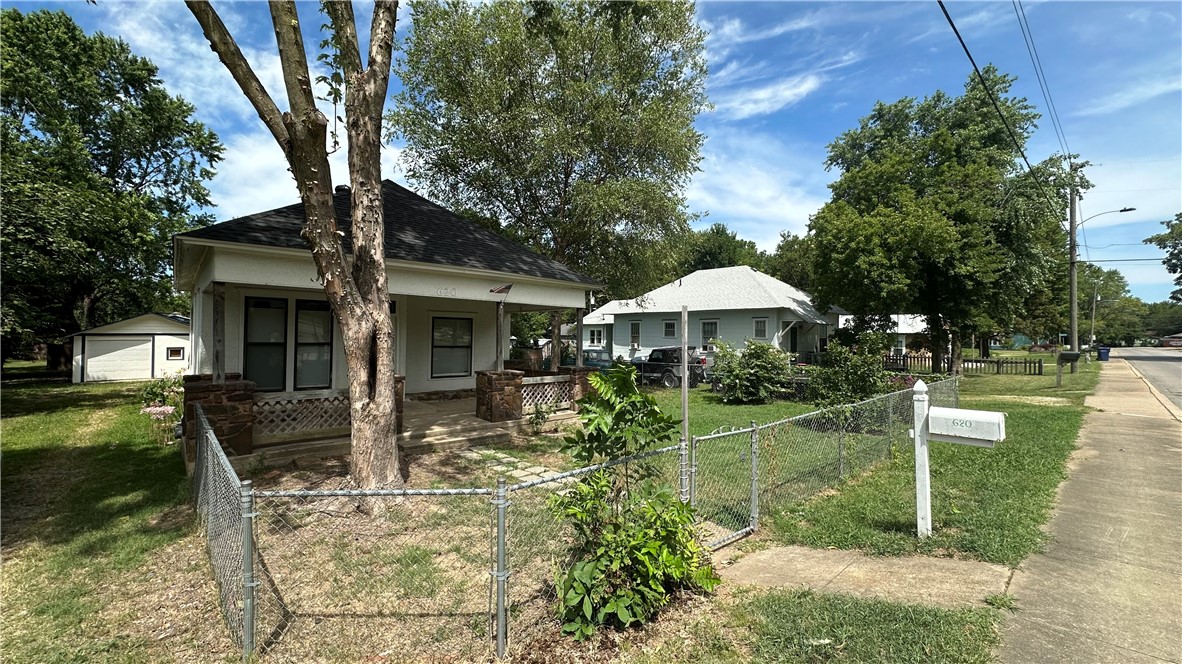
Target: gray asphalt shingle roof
[[416, 230]]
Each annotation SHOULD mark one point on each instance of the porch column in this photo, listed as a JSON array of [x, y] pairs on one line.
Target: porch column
[[498, 395], [500, 336], [578, 337], [219, 333]]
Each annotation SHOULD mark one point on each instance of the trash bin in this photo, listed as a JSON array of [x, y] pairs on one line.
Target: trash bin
[[1102, 353]]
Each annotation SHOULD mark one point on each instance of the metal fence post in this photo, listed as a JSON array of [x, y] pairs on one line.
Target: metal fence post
[[841, 421], [754, 522], [683, 469], [693, 472], [501, 574], [246, 500]]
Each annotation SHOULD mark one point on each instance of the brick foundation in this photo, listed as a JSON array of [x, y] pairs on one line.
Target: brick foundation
[[498, 395], [228, 407]]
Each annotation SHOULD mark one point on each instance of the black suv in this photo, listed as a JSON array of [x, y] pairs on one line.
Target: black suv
[[663, 367]]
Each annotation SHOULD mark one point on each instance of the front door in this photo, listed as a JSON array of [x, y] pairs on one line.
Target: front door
[[792, 340]]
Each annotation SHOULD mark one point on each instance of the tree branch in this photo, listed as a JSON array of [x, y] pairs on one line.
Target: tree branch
[[344, 29], [223, 44], [292, 58]]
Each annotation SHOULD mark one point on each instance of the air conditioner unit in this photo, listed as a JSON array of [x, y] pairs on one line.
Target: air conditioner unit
[[635, 346], [710, 348]]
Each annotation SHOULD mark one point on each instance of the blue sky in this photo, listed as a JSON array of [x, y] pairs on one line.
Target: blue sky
[[786, 79]]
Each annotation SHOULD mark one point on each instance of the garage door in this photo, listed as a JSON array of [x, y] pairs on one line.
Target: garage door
[[122, 358]]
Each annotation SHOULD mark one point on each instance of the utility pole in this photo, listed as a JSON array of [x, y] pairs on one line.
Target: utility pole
[[1095, 298], [1073, 258]]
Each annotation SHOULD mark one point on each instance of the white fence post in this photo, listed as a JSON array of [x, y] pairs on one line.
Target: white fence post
[[923, 491]]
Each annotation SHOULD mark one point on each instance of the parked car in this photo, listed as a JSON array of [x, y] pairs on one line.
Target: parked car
[[662, 366], [599, 359]]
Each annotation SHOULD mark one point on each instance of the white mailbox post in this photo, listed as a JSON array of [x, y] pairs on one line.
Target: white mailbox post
[[980, 428]]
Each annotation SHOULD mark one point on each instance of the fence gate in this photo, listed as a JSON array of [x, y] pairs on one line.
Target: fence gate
[[724, 480]]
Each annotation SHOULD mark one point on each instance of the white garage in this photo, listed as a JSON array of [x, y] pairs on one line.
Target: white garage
[[140, 348]]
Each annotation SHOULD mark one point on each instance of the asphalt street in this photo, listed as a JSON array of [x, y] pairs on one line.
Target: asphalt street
[[1162, 367]]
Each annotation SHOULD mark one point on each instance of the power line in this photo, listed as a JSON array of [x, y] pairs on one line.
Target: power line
[[1125, 260], [996, 106], [1041, 75]]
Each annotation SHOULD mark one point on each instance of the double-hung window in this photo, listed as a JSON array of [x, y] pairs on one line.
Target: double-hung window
[[634, 333], [313, 345], [709, 332], [451, 347], [759, 328], [264, 360], [670, 329]]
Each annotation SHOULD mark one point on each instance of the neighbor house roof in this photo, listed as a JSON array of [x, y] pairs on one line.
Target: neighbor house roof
[[720, 289], [416, 230], [160, 322]]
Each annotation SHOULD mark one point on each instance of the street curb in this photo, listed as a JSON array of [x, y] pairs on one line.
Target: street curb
[[1161, 398]]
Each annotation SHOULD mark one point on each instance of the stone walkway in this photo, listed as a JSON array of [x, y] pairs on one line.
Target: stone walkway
[[517, 470]]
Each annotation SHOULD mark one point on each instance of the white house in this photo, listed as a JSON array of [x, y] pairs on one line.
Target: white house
[[733, 304], [907, 327], [259, 309], [140, 348]]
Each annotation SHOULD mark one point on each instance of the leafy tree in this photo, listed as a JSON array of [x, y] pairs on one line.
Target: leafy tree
[[718, 246], [569, 122], [101, 166], [1119, 317], [792, 261], [1171, 242], [931, 215], [1163, 318], [354, 285], [758, 373]]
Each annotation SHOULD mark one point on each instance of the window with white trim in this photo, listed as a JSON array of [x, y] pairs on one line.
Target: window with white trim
[[265, 349], [670, 329], [176, 352], [759, 328], [451, 347], [313, 345], [634, 333], [595, 337], [709, 332]]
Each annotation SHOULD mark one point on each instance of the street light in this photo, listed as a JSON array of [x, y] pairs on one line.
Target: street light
[[1074, 260]]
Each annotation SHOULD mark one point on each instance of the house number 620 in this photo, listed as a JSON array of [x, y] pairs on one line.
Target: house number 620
[[446, 292]]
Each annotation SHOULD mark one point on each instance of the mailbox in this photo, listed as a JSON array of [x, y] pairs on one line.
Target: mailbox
[[980, 428], [1066, 356]]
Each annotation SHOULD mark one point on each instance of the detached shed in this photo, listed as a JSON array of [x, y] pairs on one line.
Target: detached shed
[[139, 348]]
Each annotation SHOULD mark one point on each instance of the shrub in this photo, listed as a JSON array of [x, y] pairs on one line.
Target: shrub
[[758, 374], [631, 554], [168, 390], [846, 377], [634, 542]]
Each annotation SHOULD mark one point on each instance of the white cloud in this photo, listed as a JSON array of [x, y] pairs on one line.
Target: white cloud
[[749, 102], [1151, 186], [757, 186], [1133, 95]]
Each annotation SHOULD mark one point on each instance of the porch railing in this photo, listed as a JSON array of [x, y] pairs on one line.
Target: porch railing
[[289, 417], [552, 392]]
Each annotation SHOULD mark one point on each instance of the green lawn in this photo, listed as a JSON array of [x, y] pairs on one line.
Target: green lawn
[[708, 412], [84, 490], [987, 504], [803, 627]]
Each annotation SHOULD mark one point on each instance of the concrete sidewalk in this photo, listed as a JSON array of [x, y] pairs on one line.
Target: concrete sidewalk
[[1109, 587]]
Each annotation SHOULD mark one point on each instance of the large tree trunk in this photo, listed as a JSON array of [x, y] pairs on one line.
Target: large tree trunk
[[957, 352], [356, 290], [939, 338]]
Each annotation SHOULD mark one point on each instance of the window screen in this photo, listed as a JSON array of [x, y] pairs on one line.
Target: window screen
[[313, 345], [266, 338]]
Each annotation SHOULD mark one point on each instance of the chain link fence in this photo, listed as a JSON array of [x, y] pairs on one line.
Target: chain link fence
[[468, 574]]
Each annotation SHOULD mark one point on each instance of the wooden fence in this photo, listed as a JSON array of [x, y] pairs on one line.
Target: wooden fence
[[923, 364]]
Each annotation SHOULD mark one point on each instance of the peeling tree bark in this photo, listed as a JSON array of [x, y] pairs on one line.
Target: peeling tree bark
[[356, 289]]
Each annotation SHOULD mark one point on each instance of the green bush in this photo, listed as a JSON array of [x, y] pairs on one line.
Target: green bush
[[758, 374], [168, 390], [846, 377], [632, 554], [634, 541]]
